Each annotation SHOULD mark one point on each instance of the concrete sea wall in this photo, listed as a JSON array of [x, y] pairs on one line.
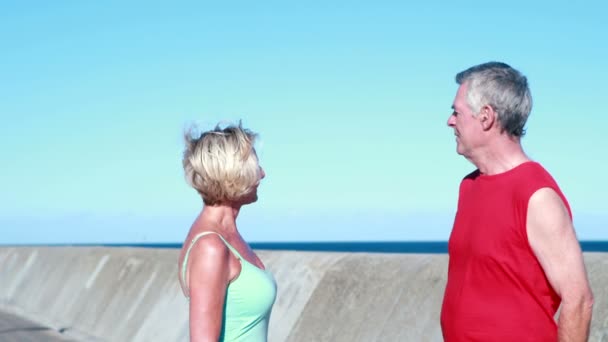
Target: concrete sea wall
[[132, 294]]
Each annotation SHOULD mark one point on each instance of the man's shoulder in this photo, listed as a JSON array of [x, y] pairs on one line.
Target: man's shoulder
[[535, 171], [535, 166]]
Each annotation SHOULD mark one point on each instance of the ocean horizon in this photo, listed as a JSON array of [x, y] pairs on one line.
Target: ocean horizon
[[430, 247]]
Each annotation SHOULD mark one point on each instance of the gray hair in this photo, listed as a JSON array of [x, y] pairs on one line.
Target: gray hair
[[221, 164], [504, 89]]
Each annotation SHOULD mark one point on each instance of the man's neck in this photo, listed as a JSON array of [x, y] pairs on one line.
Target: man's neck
[[500, 155]]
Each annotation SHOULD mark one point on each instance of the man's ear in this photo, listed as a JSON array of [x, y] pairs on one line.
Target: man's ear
[[487, 117]]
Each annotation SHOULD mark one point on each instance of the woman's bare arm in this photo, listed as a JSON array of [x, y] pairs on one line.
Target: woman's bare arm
[[209, 275]]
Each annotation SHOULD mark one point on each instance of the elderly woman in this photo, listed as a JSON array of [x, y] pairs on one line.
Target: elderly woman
[[230, 292]]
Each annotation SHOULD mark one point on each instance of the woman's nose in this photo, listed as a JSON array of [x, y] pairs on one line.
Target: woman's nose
[[262, 173]]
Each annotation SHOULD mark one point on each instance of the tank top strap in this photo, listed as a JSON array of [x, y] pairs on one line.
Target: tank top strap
[[193, 242]]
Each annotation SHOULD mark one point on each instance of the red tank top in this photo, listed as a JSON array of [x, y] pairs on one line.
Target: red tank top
[[496, 288]]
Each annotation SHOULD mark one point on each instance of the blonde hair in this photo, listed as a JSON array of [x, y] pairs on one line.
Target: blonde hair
[[221, 164]]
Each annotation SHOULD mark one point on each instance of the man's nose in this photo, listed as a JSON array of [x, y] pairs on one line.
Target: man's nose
[[451, 120]]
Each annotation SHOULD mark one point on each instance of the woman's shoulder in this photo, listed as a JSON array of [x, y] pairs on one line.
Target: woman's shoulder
[[203, 254], [208, 243], [208, 254]]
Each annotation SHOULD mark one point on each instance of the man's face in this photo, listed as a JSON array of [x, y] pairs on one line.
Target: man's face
[[466, 125]]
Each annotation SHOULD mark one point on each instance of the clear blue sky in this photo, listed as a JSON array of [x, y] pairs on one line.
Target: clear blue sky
[[350, 99]]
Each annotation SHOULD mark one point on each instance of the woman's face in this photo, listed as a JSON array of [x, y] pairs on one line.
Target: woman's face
[[253, 195]]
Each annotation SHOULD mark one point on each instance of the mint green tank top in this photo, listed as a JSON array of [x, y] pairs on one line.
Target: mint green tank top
[[249, 299]]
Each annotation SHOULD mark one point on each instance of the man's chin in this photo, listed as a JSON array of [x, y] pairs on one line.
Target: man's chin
[[460, 150]]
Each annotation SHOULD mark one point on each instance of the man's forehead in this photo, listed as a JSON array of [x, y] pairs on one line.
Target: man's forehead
[[462, 89], [459, 102]]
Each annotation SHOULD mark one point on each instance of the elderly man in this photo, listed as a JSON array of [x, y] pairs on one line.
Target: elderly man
[[514, 254]]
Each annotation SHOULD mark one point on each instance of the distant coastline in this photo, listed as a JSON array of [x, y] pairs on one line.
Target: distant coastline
[[431, 247]]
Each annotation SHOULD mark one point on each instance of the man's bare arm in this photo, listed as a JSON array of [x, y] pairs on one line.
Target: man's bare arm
[[553, 240]]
